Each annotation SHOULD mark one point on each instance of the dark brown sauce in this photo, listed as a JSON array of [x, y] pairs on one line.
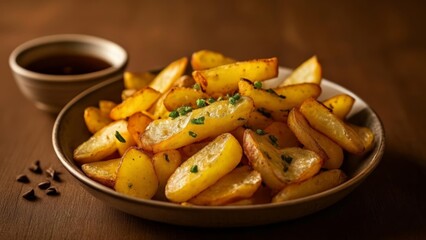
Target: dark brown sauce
[[67, 65]]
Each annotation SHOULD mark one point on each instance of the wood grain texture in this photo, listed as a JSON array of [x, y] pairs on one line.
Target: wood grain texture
[[376, 49]]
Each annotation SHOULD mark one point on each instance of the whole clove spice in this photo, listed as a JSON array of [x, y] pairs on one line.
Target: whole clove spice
[[22, 178], [52, 191], [36, 168], [44, 185], [30, 195]]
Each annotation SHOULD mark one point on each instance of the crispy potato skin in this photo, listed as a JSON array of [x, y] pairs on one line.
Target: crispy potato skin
[[205, 59], [169, 75], [104, 172], [308, 72], [224, 79], [165, 164], [220, 117], [240, 183], [319, 183], [138, 102], [133, 80], [136, 175], [340, 105], [204, 168], [180, 96], [95, 120]]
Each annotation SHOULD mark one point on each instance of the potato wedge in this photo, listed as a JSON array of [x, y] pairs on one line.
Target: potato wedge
[[240, 183], [205, 59], [139, 101], [204, 168], [258, 120], [101, 144], [103, 172], [158, 110], [340, 105], [224, 79], [137, 124], [127, 93], [218, 117], [137, 81], [191, 149], [366, 135], [320, 118], [165, 163], [136, 175], [285, 137], [184, 81], [179, 96], [106, 106], [95, 120], [279, 167], [166, 78], [308, 72], [275, 103], [261, 196], [124, 140], [319, 183], [330, 152]]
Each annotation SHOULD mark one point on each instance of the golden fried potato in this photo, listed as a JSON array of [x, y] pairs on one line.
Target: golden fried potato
[[366, 135], [320, 118], [95, 120], [136, 175], [307, 72], [191, 149], [158, 110], [184, 81], [124, 140], [279, 167], [101, 144], [340, 105], [137, 124], [106, 106], [240, 183], [127, 93], [319, 183], [285, 137], [205, 59], [204, 168], [133, 80], [274, 102], [167, 77], [180, 96], [261, 196], [165, 163], [329, 151], [224, 79], [138, 102], [258, 120], [103, 172], [195, 126]]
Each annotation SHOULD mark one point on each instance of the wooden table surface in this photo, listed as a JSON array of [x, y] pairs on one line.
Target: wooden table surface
[[377, 49]]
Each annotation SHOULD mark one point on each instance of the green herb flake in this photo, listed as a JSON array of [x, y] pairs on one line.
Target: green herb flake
[[184, 110], [198, 121], [273, 140], [260, 132], [119, 137], [194, 169], [174, 114], [264, 112], [234, 99], [192, 134], [270, 90], [166, 157], [211, 100], [200, 102], [286, 159], [196, 86], [258, 85]]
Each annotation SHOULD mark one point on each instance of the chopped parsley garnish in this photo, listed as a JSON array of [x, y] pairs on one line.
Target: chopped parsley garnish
[[257, 85], [184, 110], [211, 100], [166, 157], [119, 137], [286, 158], [234, 99], [200, 102], [194, 169], [270, 90], [198, 121], [197, 86], [174, 114], [273, 140], [192, 134], [260, 132]]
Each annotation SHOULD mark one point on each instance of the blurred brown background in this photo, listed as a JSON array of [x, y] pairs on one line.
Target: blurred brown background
[[377, 49]]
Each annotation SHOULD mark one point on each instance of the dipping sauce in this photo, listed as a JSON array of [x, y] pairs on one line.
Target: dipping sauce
[[67, 64]]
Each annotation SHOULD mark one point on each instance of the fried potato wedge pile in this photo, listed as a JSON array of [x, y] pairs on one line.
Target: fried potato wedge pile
[[218, 137]]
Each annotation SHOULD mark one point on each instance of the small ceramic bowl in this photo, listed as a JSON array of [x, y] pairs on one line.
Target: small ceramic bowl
[[50, 91], [70, 131]]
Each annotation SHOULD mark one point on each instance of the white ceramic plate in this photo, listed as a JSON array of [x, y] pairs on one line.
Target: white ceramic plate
[[70, 131]]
